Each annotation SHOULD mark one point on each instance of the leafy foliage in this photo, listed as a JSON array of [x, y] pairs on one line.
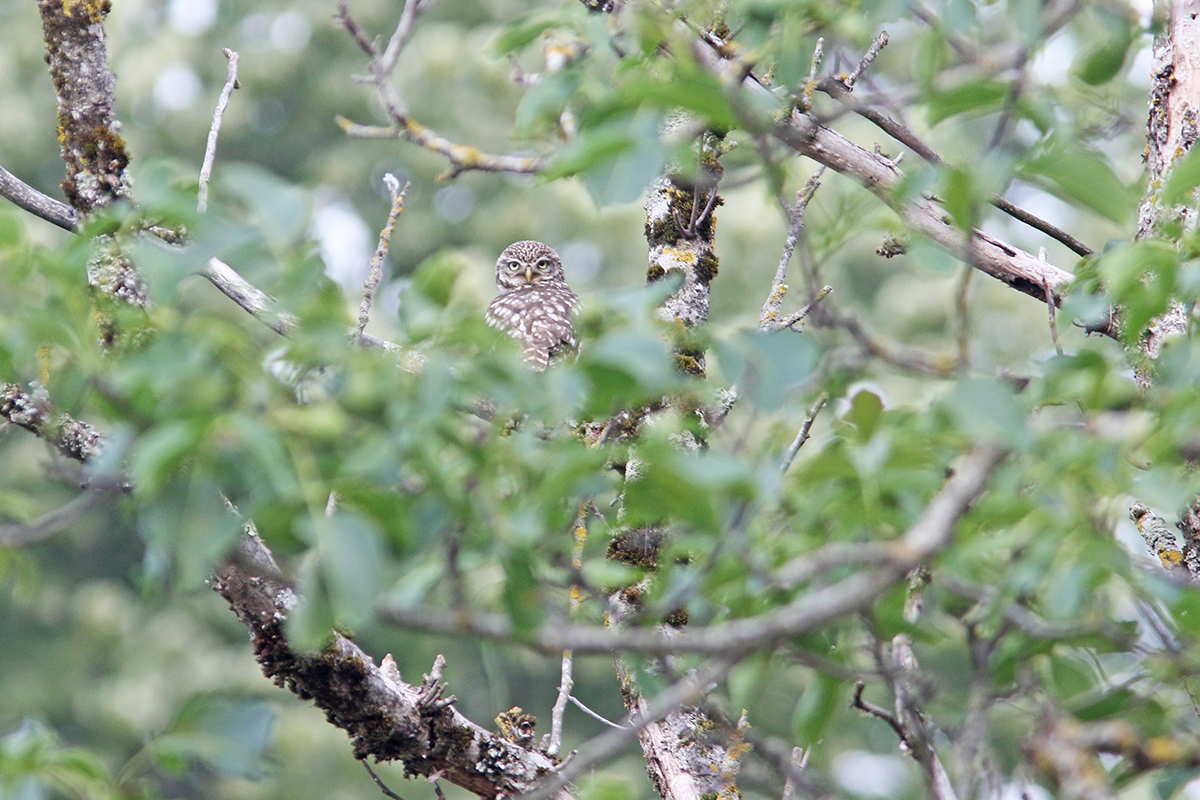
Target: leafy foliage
[[458, 473]]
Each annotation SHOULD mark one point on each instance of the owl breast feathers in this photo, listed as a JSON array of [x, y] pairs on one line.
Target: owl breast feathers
[[535, 304]]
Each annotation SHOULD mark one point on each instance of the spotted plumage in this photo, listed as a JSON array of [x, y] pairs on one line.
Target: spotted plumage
[[535, 304]]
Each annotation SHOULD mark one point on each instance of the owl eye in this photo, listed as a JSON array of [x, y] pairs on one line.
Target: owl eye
[[542, 263], [514, 265]]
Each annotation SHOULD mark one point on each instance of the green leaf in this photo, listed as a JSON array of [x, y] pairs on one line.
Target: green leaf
[[515, 35], [1081, 177], [352, 557], [980, 96], [818, 703], [985, 408], [766, 367], [1141, 278], [1184, 178], [1102, 63]]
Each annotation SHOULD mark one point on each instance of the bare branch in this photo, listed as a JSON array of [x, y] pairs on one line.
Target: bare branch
[[462, 157], [880, 42], [254, 301], [774, 301], [50, 523], [210, 149], [802, 436], [375, 275], [404, 29], [25, 196]]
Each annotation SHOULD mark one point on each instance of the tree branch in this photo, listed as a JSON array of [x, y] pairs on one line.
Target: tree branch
[[807, 612], [33, 412], [210, 149], [387, 719]]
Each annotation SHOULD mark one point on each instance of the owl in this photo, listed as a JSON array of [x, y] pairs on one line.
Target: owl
[[535, 304]]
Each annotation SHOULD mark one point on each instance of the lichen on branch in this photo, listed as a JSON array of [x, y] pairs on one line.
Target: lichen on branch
[[92, 148]]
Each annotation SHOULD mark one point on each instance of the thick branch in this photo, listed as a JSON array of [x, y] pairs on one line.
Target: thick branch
[[386, 719], [1020, 270], [87, 127]]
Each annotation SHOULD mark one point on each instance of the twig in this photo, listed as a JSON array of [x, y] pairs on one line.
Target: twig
[[462, 158], [1010, 103], [25, 196], [889, 353], [789, 321], [687, 690], [404, 29], [579, 531], [774, 301], [50, 523], [962, 316], [877, 712], [375, 274], [379, 782], [880, 42], [810, 85], [798, 763], [802, 436], [599, 717], [210, 149], [1051, 309]]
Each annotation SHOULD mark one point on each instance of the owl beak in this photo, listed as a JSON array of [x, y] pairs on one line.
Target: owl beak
[[529, 274]]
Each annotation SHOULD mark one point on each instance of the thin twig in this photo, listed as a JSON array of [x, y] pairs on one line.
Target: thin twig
[[686, 691], [880, 42], [404, 29], [50, 523], [810, 85], [1010, 103], [774, 301], [789, 321], [601, 718], [378, 782], [375, 274], [876, 711], [802, 436], [962, 317], [1051, 308], [798, 763], [567, 682], [210, 150], [461, 157]]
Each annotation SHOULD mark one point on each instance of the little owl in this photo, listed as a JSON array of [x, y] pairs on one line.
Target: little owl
[[535, 304]]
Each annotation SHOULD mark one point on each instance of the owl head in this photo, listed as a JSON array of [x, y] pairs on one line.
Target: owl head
[[528, 263]]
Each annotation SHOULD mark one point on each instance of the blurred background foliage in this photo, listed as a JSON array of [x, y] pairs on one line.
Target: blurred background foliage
[[120, 675]]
